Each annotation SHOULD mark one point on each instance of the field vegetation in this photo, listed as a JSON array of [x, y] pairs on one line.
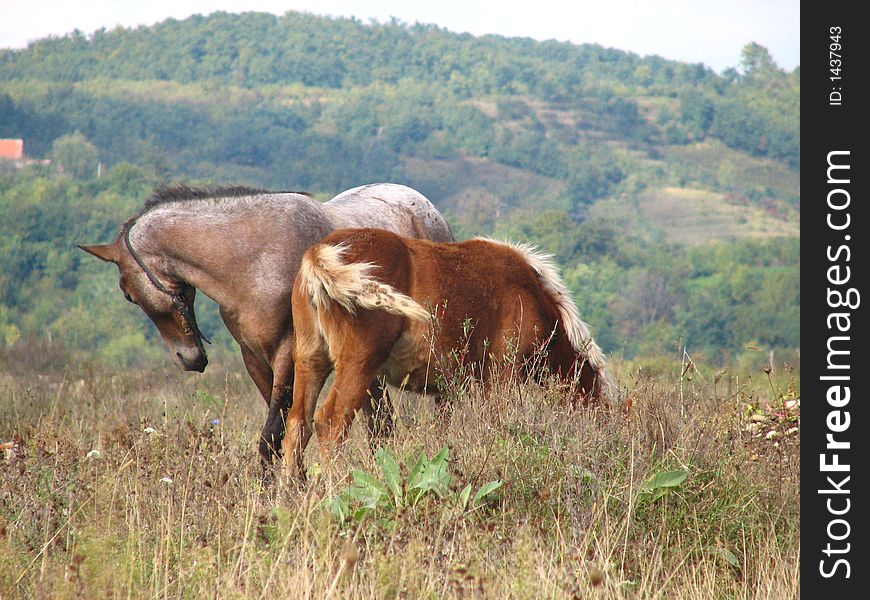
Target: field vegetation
[[146, 484]]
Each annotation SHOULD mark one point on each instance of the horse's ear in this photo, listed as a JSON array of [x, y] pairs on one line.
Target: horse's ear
[[106, 252]]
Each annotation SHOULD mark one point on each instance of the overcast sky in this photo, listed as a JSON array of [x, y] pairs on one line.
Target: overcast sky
[[708, 31]]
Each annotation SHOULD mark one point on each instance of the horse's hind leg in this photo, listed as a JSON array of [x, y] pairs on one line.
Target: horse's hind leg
[[348, 394], [310, 375], [359, 348]]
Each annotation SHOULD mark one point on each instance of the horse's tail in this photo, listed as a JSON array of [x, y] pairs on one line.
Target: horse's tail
[[325, 278], [577, 330]]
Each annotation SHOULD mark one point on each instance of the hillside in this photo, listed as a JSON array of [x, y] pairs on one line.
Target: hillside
[[629, 169]]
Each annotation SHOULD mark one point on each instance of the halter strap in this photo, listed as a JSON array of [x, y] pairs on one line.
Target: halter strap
[[188, 320]]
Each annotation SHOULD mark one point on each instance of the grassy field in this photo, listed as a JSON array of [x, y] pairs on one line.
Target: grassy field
[[715, 164], [691, 216], [146, 484]]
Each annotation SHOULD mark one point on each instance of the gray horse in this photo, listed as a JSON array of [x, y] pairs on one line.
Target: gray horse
[[242, 248]]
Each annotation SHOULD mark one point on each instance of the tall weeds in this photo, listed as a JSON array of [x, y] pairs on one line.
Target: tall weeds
[[147, 484]]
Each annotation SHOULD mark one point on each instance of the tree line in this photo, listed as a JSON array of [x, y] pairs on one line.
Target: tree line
[[321, 104], [643, 298]]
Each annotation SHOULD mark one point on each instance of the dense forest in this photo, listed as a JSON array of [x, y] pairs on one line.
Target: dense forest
[[668, 193]]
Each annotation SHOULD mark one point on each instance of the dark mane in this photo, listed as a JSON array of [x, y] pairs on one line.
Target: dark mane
[[180, 192]]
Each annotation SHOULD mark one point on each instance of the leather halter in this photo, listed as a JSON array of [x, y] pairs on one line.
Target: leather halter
[[188, 321]]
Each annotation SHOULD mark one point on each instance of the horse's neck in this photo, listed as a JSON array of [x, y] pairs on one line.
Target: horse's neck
[[230, 256], [193, 260]]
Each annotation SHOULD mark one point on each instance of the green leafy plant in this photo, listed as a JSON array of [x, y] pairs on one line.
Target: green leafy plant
[[725, 553], [390, 492], [662, 484]]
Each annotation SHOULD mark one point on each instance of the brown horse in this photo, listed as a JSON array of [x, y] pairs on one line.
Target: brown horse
[[242, 247], [363, 299]]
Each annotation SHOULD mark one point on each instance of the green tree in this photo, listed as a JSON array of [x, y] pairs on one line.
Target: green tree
[[74, 155], [756, 62], [696, 112], [589, 181]]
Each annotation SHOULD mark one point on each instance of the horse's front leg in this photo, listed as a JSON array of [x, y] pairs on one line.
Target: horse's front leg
[[279, 405], [259, 371]]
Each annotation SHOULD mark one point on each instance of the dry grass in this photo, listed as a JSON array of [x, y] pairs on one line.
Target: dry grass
[[570, 520]]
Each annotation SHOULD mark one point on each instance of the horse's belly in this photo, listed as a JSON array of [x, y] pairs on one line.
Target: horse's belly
[[408, 364]]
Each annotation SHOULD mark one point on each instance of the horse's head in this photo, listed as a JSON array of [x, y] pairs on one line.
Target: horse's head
[[168, 303]]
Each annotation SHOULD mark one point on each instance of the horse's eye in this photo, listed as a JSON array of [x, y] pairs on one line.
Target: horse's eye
[[129, 298]]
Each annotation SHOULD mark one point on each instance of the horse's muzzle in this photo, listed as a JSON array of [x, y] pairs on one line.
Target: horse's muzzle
[[197, 365]]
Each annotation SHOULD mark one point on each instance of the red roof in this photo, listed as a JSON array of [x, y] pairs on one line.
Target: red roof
[[12, 149]]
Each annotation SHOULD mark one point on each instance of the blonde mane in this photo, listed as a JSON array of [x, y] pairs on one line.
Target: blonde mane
[[577, 330]]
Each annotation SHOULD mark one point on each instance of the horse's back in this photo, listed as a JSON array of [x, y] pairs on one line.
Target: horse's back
[[476, 274], [392, 207], [477, 281], [496, 288], [500, 293]]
